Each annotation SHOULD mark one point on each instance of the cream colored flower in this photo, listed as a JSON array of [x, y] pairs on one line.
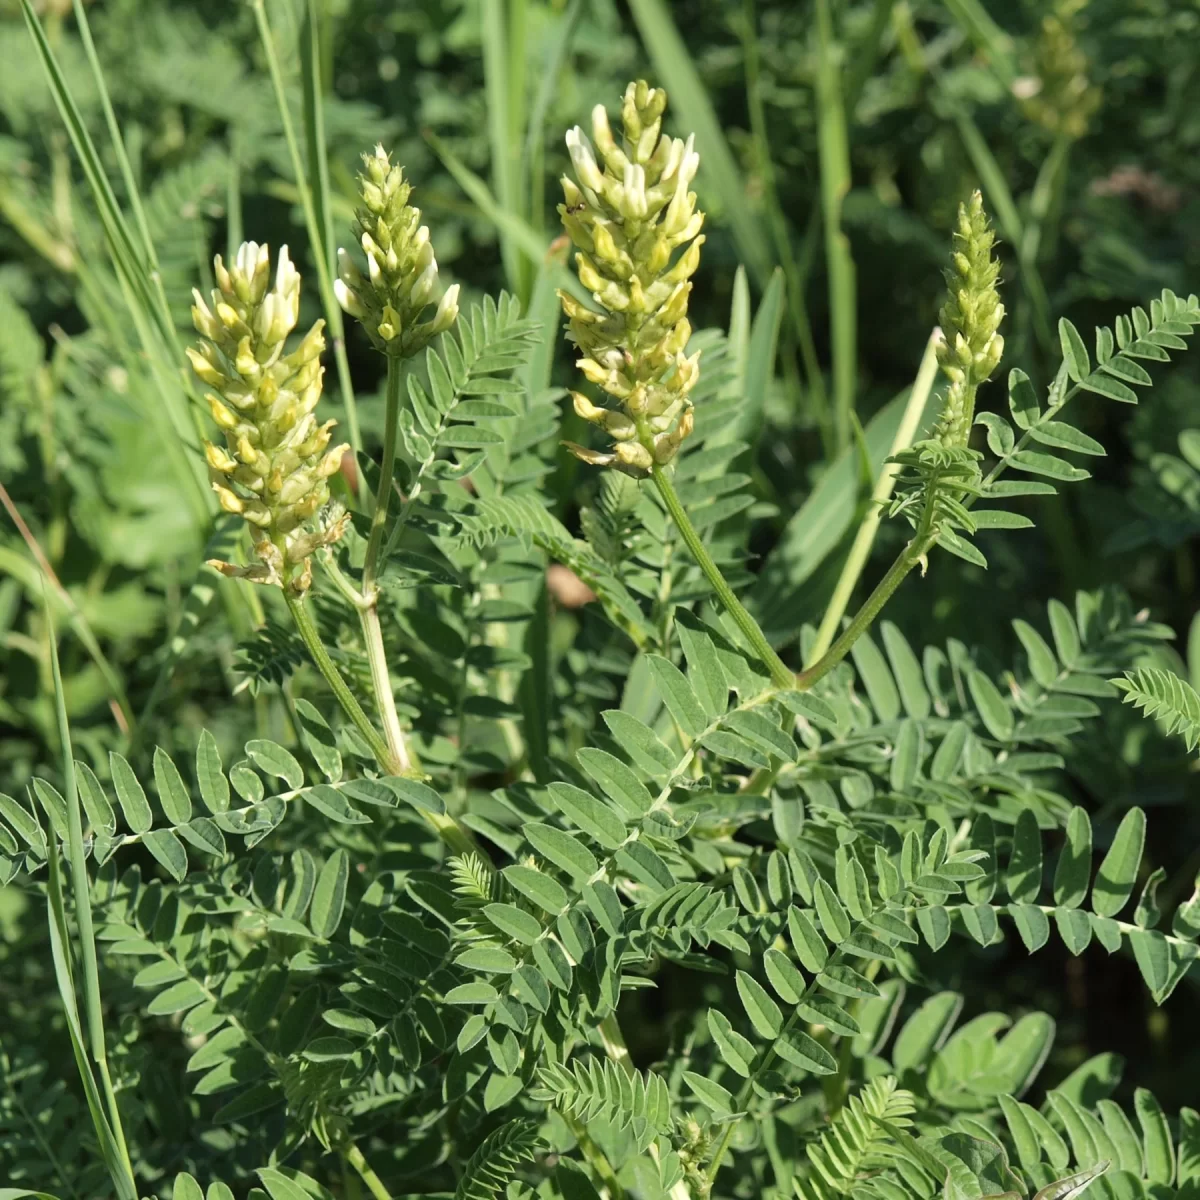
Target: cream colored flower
[[276, 461], [636, 230]]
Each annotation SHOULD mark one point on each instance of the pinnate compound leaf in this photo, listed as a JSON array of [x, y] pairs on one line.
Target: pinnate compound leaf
[[590, 814], [798, 1048], [1074, 352], [640, 742], [1165, 697], [718, 1100], [763, 1012], [563, 849], [681, 701], [736, 1050], [172, 792]]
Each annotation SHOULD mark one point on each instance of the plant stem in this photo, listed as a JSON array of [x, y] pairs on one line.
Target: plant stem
[[368, 610], [865, 537], [781, 675], [383, 494], [307, 629], [381, 685], [909, 557], [616, 1049], [354, 1156], [595, 1156], [456, 838]]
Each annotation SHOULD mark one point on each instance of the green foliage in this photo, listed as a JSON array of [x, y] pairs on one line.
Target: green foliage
[[635, 914], [1167, 698], [847, 1150], [491, 1167]]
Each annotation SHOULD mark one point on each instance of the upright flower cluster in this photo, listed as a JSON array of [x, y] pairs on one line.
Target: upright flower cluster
[[970, 320], [401, 269], [1059, 96], [627, 220], [274, 467]]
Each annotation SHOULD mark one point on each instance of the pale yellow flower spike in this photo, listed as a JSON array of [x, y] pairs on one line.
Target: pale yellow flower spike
[[402, 271], [276, 462], [628, 219]]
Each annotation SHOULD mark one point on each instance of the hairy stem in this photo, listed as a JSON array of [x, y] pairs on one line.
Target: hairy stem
[[781, 675], [354, 1156], [368, 610], [865, 537]]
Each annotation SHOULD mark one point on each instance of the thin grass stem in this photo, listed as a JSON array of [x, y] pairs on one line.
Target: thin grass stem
[[333, 312], [81, 887], [834, 152], [864, 539]]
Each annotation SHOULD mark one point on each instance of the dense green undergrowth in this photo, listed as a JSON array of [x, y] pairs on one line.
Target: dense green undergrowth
[[742, 747]]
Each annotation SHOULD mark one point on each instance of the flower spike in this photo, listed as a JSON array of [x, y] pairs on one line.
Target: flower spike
[[401, 269], [276, 462], [636, 231]]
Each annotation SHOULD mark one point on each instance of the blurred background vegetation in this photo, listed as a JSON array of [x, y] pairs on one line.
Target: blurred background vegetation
[[837, 138]]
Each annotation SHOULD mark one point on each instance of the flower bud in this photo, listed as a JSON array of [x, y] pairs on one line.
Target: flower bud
[[402, 271], [970, 320]]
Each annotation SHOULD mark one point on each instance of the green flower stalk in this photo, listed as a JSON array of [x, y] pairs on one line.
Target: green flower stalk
[[970, 320], [401, 269], [627, 220], [274, 467]]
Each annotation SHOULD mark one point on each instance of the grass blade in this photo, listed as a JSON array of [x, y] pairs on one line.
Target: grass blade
[[860, 550], [719, 177], [150, 263], [503, 70], [313, 92], [834, 151], [116, 229], [531, 242], [975, 21], [797, 278], [321, 254], [110, 1130]]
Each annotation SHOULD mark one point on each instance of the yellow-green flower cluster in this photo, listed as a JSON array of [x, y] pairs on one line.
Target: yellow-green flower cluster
[[1058, 95], [276, 461], [627, 220], [401, 269], [970, 320]]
